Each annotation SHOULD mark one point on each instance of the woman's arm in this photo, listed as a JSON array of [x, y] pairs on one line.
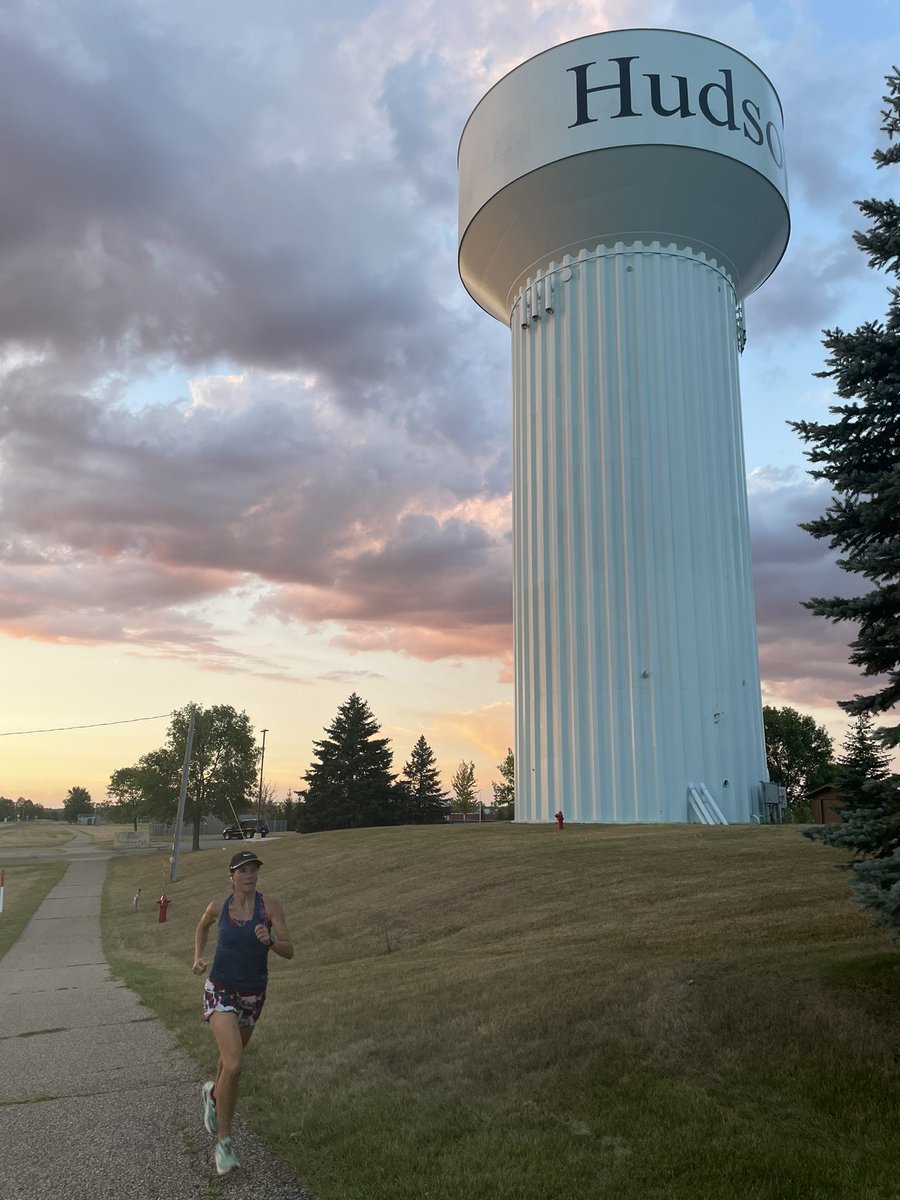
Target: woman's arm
[[210, 917], [277, 938]]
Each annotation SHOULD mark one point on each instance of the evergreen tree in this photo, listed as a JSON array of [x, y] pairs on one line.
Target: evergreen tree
[[798, 755], [351, 784], [863, 759], [464, 789], [859, 455], [425, 803], [870, 830], [505, 792]]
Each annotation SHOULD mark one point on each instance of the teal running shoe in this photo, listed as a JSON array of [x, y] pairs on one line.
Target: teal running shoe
[[210, 1120], [226, 1159]]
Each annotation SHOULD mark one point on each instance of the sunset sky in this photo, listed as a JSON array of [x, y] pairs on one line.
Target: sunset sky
[[255, 438]]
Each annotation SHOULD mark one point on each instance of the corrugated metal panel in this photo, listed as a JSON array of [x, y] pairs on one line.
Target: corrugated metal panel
[[635, 634]]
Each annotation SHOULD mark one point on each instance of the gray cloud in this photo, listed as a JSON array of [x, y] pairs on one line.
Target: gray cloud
[[272, 196], [802, 656]]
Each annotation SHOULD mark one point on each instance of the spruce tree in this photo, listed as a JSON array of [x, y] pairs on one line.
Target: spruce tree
[[859, 455], [863, 759], [351, 784], [425, 803]]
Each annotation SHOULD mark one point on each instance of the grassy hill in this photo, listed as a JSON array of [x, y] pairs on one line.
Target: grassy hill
[[512, 1013]]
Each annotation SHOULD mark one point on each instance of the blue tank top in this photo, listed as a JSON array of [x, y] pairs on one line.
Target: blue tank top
[[241, 960]]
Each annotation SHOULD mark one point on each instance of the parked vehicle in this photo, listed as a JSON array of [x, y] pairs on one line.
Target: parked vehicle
[[246, 827]]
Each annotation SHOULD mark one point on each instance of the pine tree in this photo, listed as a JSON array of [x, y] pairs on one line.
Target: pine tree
[[351, 785], [859, 455], [424, 801]]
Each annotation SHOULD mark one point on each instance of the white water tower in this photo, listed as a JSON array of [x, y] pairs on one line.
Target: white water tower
[[619, 196]]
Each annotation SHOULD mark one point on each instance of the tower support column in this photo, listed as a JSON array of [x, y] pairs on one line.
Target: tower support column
[[636, 660]]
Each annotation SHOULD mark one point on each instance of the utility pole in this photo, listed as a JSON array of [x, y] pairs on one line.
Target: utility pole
[[182, 795], [262, 759]]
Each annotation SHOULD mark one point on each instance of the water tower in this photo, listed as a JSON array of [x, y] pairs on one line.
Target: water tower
[[619, 196]]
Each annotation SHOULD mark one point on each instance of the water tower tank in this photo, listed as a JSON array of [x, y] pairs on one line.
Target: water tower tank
[[619, 196]]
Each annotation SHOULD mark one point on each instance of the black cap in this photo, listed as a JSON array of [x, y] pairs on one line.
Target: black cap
[[244, 856]]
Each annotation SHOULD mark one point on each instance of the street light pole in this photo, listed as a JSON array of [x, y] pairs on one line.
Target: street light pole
[[262, 759]]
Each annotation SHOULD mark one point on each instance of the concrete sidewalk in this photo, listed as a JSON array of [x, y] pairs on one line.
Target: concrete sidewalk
[[95, 1099]]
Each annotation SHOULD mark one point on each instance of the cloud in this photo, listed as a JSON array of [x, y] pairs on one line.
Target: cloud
[[803, 658], [264, 204], [349, 519]]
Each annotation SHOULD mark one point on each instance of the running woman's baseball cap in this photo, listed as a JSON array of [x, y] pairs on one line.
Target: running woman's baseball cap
[[244, 856]]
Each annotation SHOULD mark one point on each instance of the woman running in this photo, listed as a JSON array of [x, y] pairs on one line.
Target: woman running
[[235, 992]]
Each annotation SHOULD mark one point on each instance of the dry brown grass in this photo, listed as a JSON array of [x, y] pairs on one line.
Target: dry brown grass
[[508, 1013], [34, 835], [25, 888]]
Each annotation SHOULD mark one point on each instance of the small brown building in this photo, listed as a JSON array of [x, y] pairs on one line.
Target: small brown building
[[826, 804]]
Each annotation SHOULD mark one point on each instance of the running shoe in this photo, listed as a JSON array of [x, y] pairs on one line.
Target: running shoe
[[226, 1159], [210, 1120]]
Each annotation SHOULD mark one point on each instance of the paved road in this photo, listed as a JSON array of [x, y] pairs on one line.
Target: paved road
[[95, 1099]]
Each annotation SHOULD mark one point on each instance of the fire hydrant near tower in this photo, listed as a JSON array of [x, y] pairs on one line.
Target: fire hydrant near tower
[[560, 820], [162, 904]]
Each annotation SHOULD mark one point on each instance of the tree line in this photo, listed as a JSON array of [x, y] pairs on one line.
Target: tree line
[[351, 782], [22, 809]]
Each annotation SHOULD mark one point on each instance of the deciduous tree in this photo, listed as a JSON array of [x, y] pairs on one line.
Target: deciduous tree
[[78, 803], [126, 788], [464, 788], [505, 792], [798, 754], [222, 775]]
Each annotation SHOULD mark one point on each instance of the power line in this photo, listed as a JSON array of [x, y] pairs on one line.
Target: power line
[[97, 725]]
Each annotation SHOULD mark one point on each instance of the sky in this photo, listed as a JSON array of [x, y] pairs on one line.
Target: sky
[[255, 438]]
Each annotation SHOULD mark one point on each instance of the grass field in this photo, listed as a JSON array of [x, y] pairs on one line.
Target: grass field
[[34, 834], [25, 888], [512, 1013]]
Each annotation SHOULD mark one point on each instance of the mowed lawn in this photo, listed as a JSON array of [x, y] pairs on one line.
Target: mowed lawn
[[514, 1013], [25, 888]]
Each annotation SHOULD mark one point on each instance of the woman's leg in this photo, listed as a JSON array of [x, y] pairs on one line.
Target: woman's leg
[[231, 1040]]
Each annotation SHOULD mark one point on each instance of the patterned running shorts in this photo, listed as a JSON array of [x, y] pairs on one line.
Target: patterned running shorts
[[246, 1006]]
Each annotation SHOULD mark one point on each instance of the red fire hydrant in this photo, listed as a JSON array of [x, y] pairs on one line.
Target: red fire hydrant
[[162, 904], [560, 820]]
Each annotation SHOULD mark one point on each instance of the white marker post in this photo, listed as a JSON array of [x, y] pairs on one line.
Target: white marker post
[[2, 881]]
